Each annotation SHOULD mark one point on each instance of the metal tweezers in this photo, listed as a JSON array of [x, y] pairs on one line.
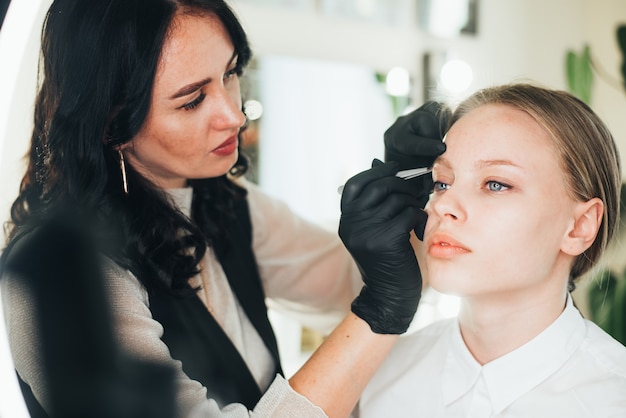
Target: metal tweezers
[[404, 174]]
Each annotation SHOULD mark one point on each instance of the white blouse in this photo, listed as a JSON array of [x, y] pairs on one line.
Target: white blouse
[[572, 369]]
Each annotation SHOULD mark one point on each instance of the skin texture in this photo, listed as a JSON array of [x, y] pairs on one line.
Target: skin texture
[[503, 230], [182, 136], [337, 373]]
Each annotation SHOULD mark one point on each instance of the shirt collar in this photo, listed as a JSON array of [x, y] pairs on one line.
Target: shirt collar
[[512, 375]]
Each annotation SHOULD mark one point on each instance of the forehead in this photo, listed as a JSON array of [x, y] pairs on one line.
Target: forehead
[[497, 126], [192, 41], [188, 31]]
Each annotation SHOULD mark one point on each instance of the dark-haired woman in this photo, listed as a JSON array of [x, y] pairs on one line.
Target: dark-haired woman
[[137, 124]]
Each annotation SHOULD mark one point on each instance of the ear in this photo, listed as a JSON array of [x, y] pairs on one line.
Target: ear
[[587, 221]]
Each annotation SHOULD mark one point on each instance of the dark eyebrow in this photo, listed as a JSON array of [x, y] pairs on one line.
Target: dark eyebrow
[[190, 88]]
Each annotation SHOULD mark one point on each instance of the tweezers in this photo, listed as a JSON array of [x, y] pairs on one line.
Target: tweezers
[[404, 174]]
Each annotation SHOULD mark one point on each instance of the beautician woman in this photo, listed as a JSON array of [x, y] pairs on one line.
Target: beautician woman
[[136, 133]]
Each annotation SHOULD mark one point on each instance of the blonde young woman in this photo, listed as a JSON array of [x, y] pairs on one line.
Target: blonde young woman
[[524, 203]]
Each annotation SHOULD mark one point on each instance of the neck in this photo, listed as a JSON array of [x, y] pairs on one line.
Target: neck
[[495, 325]]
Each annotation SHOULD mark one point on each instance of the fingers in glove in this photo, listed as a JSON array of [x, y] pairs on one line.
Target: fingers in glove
[[422, 146], [380, 190], [420, 225], [387, 196], [429, 120], [356, 184], [405, 216], [442, 114], [381, 226]]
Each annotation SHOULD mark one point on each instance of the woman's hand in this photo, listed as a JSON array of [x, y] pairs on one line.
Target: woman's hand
[[379, 210]]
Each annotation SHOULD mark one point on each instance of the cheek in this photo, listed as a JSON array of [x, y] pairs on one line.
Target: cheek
[[182, 136], [503, 245]]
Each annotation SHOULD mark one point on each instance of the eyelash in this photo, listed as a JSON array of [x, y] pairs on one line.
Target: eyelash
[[439, 186], [194, 103], [500, 184], [234, 71], [237, 70]]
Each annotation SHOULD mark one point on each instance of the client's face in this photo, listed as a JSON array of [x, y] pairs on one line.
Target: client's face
[[500, 209]]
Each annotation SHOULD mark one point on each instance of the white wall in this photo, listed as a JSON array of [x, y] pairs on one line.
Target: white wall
[[517, 39], [19, 42], [19, 52]]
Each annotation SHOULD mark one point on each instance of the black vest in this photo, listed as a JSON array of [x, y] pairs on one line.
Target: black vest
[[197, 340], [190, 332]]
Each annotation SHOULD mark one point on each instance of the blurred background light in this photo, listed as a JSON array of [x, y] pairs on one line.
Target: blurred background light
[[397, 82], [253, 109], [456, 76]]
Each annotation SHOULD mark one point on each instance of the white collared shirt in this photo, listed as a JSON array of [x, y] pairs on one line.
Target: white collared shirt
[[572, 369]]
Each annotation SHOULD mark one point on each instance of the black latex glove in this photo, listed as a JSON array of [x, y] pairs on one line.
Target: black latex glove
[[378, 211], [415, 140]]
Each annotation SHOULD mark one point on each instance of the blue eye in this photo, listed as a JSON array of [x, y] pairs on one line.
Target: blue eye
[[496, 186], [194, 103], [439, 186]]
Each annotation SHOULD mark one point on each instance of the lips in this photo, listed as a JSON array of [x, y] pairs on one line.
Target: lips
[[227, 147], [444, 246]]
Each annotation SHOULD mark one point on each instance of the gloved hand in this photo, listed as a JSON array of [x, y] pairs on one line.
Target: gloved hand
[[415, 140], [378, 211]]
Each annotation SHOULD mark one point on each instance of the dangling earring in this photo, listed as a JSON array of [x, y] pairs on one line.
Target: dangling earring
[[123, 169]]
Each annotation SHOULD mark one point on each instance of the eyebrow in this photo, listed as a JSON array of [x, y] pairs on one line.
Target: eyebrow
[[490, 163], [190, 88], [480, 163]]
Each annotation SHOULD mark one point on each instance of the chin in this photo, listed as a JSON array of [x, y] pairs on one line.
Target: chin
[[220, 168], [449, 282]]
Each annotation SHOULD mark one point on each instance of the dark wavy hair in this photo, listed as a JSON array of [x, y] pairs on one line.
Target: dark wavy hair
[[99, 60]]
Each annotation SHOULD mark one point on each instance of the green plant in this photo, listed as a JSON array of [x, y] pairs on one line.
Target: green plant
[[621, 42], [579, 73], [607, 299], [606, 294], [607, 290]]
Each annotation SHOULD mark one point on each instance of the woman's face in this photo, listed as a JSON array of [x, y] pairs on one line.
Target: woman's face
[[500, 209], [195, 113]]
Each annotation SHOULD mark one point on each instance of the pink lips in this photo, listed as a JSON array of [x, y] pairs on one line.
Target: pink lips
[[227, 147], [444, 246]]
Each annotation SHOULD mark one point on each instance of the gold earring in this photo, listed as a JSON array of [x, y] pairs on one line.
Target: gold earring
[[123, 169]]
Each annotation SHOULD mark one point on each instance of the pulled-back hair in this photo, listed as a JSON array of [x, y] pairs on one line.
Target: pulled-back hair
[[587, 152], [99, 60]]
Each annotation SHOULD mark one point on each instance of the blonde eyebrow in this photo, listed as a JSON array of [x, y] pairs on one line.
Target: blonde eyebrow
[[442, 161], [490, 163]]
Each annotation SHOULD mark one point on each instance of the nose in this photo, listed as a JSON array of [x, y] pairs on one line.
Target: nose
[[446, 205], [227, 109]]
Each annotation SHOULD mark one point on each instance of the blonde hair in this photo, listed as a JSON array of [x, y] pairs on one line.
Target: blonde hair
[[587, 152]]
